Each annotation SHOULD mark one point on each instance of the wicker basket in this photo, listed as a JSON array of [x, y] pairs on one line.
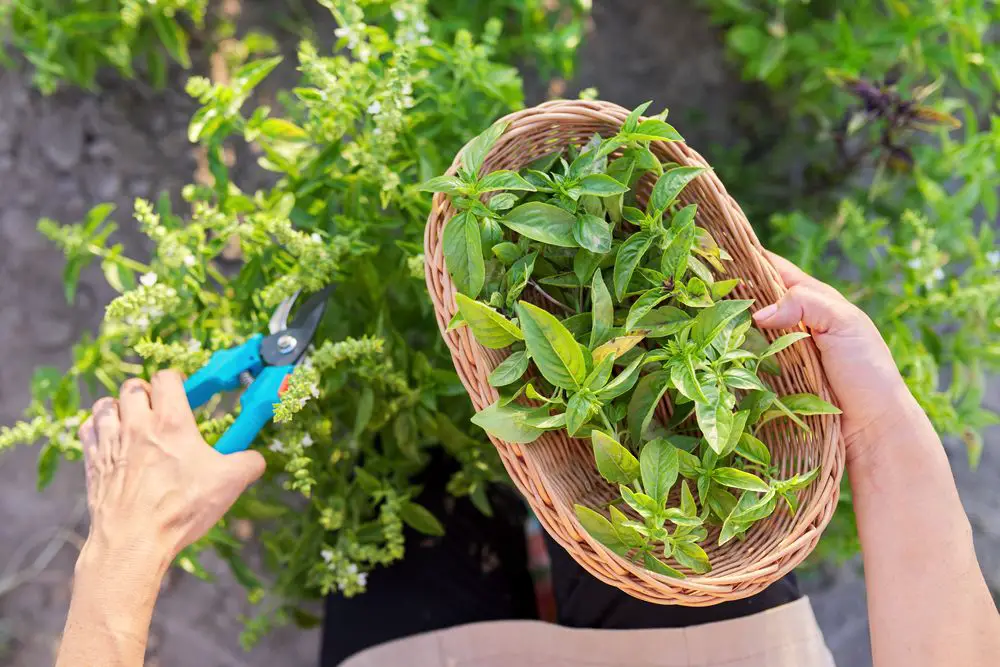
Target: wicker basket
[[556, 471]]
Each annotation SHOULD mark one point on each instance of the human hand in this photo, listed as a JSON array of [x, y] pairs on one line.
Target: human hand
[[858, 364], [153, 485]]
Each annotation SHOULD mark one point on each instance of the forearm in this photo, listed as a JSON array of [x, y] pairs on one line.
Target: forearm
[[111, 608], [928, 603]]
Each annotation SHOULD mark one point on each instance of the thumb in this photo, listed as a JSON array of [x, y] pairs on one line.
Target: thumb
[[241, 469], [821, 311]]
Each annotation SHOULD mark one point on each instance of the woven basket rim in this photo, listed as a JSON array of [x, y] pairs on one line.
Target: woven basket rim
[[780, 551]]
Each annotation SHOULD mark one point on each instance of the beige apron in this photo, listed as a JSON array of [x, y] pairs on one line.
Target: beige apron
[[785, 636]]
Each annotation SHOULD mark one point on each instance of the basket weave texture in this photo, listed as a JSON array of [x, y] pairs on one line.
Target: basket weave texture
[[556, 471]]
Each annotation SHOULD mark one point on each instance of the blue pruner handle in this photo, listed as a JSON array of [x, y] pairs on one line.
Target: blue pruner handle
[[223, 370], [256, 409]]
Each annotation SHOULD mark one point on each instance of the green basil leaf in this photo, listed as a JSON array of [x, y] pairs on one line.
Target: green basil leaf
[[518, 276], [664, 321], [792, 501], [809, 404], [601, 373], [615, 463], [688, 505], [782, 342], [738, 479], [503, 180], [699, 269], [448, 184], [543, 222], [601, 185], [741, 378], [578, 325], [645, 303], [420, 519], [676, 516], [463, 254], [600, 529], [634, 215], [490, 328], [732, 336], [48, 462], [621, 171], [654, 129], [474, 153], [548, 422], [691, 556], [640, 502], [721, 502], [627, 534], [593, 205], [711, 321], [456, 321], [669, 186], [552, 347], [506, 252], [632, 120], [682, 374], [654, 564], [630, 254], [658, 465], [750, 508], [622, 383], [602, 310], [508, 422], [502, 201], [753, 450], [715, 416], [757, 343], [173, 37], [643, 402], [677, 253], [510, 370], [563, 280], [731, 529], [799, 481], [491, 234], [690, 465], [695, 294], [781, 411], [579, 410], [592, 233], [757, 402], [584, 265], [721, 288], [739, 426]]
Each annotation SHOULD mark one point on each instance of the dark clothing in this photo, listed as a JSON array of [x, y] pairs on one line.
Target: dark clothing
[[479, 572]]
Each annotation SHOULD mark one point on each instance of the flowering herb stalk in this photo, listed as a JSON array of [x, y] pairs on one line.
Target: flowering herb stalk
[[377, 397], [609, 304]]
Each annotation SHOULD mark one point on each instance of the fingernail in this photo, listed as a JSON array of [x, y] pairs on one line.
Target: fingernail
[[766, 312]]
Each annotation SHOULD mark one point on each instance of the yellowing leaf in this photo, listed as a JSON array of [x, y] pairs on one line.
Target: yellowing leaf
[[617, 346]]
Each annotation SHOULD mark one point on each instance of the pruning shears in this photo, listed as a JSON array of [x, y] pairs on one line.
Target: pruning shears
[[262, 364]]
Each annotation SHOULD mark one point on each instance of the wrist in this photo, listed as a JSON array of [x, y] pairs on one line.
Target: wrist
[[114, 593], [902, 423], [133, 562]]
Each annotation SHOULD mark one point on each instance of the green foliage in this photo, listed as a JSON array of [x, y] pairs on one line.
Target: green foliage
[[660, 263], [378, 395], [877, 189], [71, 41]]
